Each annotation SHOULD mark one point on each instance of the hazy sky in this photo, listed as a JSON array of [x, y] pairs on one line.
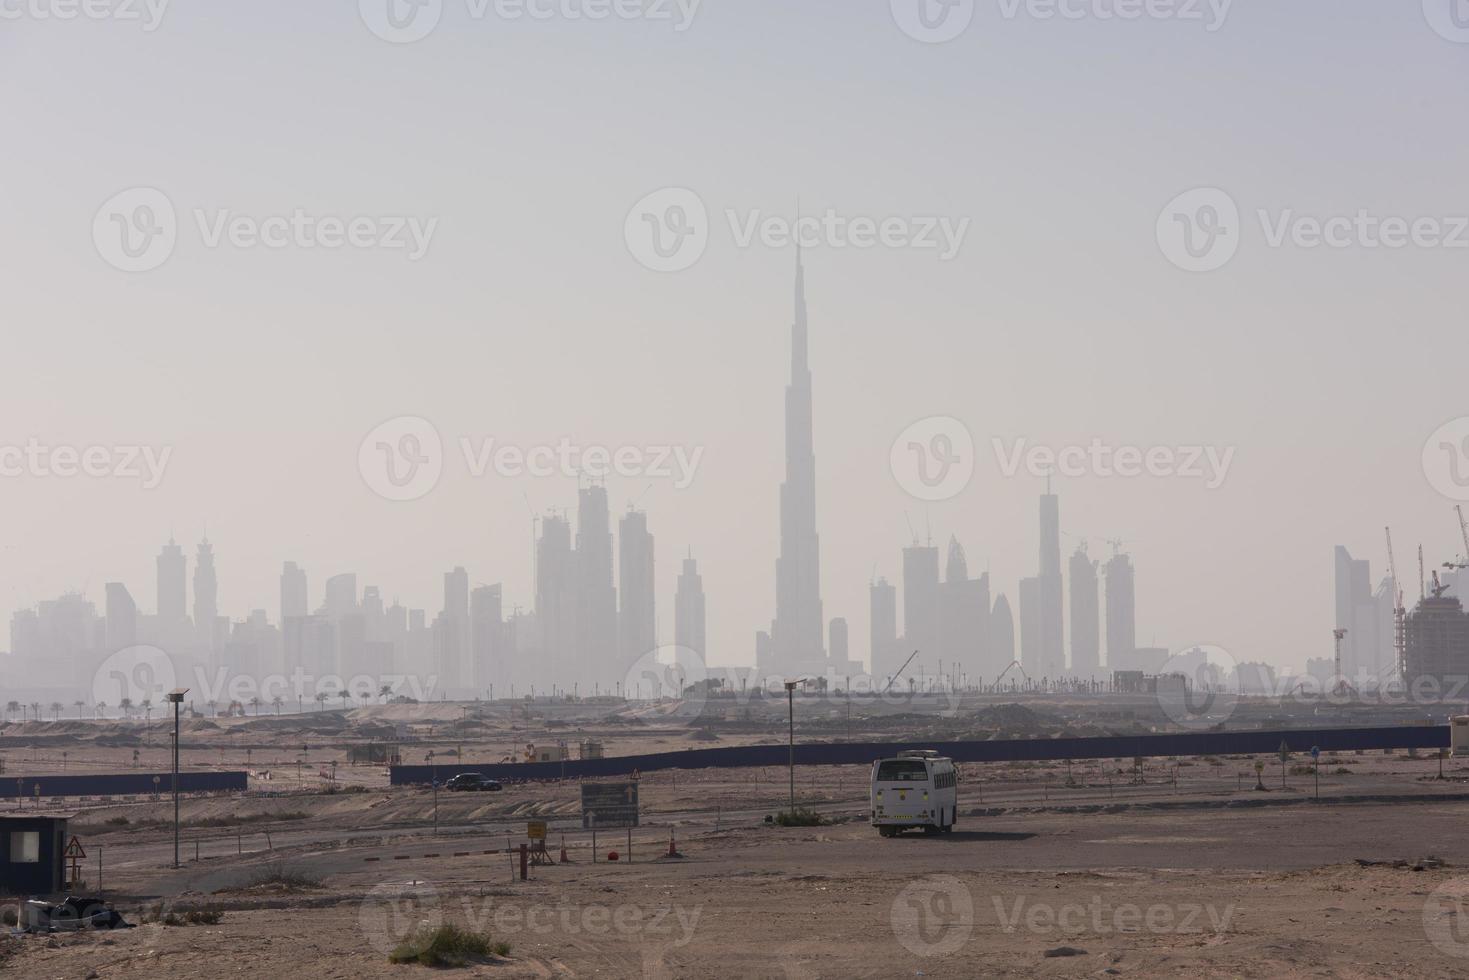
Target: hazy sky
[[529, 320]]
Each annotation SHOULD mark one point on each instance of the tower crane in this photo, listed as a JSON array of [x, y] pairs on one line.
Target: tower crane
[[1463, 533], [1399, 614]]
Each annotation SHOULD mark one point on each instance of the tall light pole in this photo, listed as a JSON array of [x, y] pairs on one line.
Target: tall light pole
[[176, 698], [791, 702]]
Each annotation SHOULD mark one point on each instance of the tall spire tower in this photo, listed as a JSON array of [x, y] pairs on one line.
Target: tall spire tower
[[796, 634]]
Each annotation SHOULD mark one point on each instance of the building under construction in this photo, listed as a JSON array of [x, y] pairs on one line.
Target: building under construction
[[1436, 645]]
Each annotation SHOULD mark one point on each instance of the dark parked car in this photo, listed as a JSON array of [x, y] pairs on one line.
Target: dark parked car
[[473, 782]]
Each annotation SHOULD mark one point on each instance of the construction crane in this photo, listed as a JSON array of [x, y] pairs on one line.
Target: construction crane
[[1463, 562], [899, 671], [1399, 613], [1422, 582]]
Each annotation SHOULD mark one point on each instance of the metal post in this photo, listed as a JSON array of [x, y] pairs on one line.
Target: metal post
[[177, 698]]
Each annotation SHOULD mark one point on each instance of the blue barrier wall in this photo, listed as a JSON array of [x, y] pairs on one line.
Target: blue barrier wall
[[121, 784], [1012, 750]]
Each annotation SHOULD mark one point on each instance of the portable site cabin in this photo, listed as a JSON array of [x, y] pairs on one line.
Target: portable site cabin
[[32, 855]]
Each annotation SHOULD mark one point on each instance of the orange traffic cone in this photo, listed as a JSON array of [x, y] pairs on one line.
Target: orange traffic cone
[[564, 858]]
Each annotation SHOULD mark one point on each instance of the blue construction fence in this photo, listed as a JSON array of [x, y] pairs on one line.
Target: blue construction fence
[[1297, 740], [122, 784]]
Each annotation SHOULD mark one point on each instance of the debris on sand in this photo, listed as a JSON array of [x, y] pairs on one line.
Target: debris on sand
[[1063, 951]]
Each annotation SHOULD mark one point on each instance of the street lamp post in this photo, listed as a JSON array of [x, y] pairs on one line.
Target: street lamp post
[[791, 703], [176, 698]]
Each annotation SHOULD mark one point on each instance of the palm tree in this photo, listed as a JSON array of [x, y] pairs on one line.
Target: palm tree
[[79, 705], [101, 711], [277, 702], [345, 698], [321, 697], [126, 704], [35, 711], [366, 696], [56, 707], [213, 708], [385, 693], [147, 709], [255, 703], [11, 708]]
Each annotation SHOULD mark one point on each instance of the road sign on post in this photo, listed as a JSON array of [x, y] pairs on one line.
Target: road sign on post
[[606, 805]]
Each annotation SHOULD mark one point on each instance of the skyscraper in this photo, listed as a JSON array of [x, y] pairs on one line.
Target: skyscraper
[[122, 618], [454, 651], [1001, 653], [486, 622], [294, 603], [172, 598], [921, 604], [796, 632], [1367, 652], [688, 609], [964, 613], [1031, 657], [555, 606], [1051, 650], [1121, 611], [596, 596], [883, 620], [1086, 622], [206, 598], [636, 617]]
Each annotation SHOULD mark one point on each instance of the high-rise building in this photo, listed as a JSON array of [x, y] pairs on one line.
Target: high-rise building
[[596, 596], [122, 618], [172, 598], [883, 620], [1086, 619], [207, 623], [636, 616], [294, 603], [837, 649], [1121, 608], [556, 604], [454, 648], [1002, 639], [1367, 651], [688, 609], [921, 603], [796, 632], [1051, 649], [486, 623], [964, 613], [341, 595]]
